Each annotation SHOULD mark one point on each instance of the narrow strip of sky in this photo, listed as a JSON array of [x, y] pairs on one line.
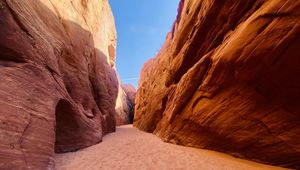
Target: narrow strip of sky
[[142, 26]]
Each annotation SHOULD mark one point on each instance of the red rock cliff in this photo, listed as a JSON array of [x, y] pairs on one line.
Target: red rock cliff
[[58, 84], [227, 79]]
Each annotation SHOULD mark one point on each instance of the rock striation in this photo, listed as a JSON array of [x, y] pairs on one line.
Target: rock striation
[[58, 83], [226, 79]]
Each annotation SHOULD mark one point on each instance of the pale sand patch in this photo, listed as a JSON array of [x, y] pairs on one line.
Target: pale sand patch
[[130, 148]]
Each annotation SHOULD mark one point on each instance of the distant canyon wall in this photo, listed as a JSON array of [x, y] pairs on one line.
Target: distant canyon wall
[[227, 79], [58, 82]]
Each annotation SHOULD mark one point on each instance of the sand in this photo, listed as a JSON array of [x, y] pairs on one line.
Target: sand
[[130, 148]]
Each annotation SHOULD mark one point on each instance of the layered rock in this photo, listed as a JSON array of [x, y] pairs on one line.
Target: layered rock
[[227, 79], [57, 78]]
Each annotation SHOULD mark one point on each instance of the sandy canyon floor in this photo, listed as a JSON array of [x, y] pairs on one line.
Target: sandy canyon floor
[[130, 148]]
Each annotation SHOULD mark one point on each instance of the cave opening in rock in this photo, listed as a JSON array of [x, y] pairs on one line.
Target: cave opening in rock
[[66, 126]]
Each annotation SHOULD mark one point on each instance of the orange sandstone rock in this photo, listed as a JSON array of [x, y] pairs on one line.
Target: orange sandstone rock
[[227, 79]]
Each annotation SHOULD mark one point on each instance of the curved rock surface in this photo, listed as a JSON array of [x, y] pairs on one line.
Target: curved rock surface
[[227, 79], [130, 92], [125, 105], [58, 83]]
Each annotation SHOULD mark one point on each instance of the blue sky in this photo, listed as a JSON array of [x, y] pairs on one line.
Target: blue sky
[[142, 26]]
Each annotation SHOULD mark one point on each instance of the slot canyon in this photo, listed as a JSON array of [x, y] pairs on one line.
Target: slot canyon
[[223, 92]]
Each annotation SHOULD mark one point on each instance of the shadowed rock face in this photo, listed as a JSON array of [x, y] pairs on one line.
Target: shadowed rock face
[[227, 79], [58, 84]]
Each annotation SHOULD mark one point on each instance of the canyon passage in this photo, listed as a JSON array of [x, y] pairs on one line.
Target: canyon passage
[[222, 92], [130, 148]]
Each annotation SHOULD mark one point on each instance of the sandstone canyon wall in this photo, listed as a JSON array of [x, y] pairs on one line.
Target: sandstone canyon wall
[[125, 104], [58, 84], [130, 93], [227, 79]]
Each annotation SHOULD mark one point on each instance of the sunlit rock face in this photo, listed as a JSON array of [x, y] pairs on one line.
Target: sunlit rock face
[[130, 92], [125, 105], [58, 84], [227, 79]]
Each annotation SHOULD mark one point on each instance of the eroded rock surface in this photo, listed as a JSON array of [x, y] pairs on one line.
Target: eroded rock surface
[[58, 84], [227, 79], [125, 105], [130, 92]]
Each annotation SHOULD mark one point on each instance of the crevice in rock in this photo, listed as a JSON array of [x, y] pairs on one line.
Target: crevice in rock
[[275, 15], [10, 55]]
